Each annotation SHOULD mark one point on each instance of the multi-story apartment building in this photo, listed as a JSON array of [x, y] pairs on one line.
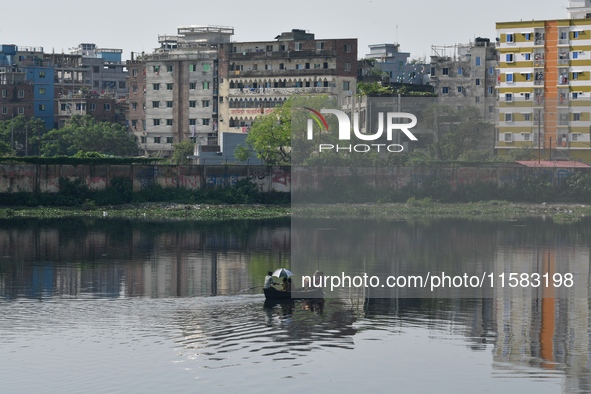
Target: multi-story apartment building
[[106, 73], [255, 77], [27, 84], [544, 86], [180, 92], [466, 77], [395, 64]]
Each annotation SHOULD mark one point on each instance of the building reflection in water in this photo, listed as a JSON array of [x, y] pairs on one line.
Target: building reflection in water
[[538, 331]]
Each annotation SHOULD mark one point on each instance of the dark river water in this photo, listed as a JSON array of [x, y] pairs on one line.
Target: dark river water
[[117, 306]]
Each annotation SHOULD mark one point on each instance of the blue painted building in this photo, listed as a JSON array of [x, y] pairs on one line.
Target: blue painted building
[[43, 93]]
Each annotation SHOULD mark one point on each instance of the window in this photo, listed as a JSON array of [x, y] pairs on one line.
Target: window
[[169, 140], [169, 104], [192, 122], [316, 66], [80, 106], [325, 65], [192, 103], [527, 36], [478, 60], [92, 106], [135, 89], [320, 45], [156, 122], [576, 117], [269, 48], [205, 103], [193, 139], [477, 99], [460, 71], [575, 34], [298, 46], [575, 75], [107, 107], [168, 86], [4, 93], [156, 140], [192, 67], [205, 121], [575, 95], [509, 77], [96, 69], [527, 56], [347, 48], [205, 85], [281, 66], [347, 66], [490, 90], [508, 97], [143, 139], [4, 110], [41, 107], [134, 123], [346, 85], [41, 74], [169, 122], [477, 81], [169, 68], [21, 110], [41, 90], [491, 71], [445, 90], [307, 66], [156, 86], [63, 107], [528, 76], [21, 93], [192, 85], [460, 89], [510, 37], [527, 118], [508, 137], [575, 55], [527, 96], [574, 137], [526, 136], [156, 69], [155, 104], [134, 73], [509, 58], [268, 66], [445, 71], [206, 66], [509, 117], [121, 85], [299, 66]]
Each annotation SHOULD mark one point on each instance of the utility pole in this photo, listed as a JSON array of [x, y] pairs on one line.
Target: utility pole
[[539, 134]]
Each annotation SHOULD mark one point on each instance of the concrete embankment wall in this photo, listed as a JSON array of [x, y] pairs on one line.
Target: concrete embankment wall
[[40, 178]]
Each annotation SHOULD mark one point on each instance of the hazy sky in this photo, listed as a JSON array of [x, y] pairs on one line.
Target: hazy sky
[[135, 25]]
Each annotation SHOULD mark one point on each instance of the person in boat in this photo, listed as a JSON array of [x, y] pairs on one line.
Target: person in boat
[[284, 284], [289, 286], [269, 282]]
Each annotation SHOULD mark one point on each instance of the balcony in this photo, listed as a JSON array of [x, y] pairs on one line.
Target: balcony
[[285, 73], [563, 41], [262, 55], [280, 91]]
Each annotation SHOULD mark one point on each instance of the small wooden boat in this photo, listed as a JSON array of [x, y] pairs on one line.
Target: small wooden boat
[[274, 294]]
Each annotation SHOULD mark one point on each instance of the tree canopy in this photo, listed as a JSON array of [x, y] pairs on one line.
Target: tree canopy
[[21, 136], [83, 133]]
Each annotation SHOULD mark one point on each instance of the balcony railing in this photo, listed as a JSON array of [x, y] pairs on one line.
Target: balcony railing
[[279, 91], [563, 41]]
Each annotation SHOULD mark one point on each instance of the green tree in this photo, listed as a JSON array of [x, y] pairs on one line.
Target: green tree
[[23, 134], [83, 133], [181, 151], [457, 132]]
